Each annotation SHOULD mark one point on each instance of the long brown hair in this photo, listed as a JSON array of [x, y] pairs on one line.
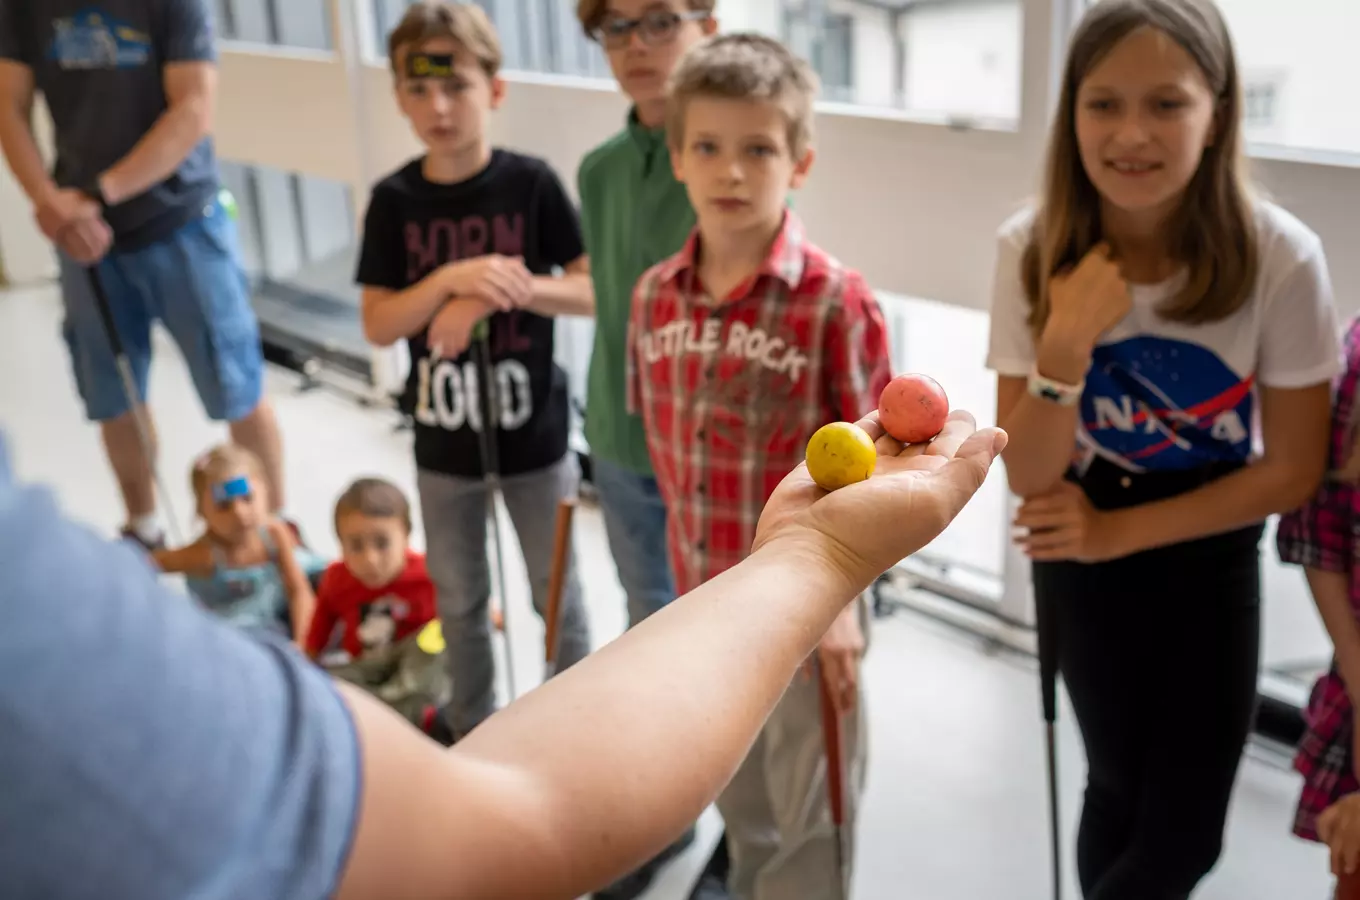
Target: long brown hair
[[1213, 233]]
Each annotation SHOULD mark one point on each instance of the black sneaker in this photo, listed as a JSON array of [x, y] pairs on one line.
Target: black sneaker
[[128, 534], [635, 884]]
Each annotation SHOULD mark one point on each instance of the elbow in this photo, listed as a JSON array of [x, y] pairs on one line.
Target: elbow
[[375, 334], [1298, 485], [199, 114], [1027, 481]]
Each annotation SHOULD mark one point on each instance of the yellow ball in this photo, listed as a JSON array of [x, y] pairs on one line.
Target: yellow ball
[[840, 454]]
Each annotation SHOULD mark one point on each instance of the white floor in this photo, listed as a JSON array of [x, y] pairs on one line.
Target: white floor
[[956, 806]]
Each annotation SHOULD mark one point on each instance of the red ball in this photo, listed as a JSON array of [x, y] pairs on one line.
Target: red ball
[[913, 408]]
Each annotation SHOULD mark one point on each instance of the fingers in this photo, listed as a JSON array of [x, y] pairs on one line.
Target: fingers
[[872, 427], [1326, 824], [958, 428], [1059, 543], [838, 674], [844, 697], [1044, 518], [971, 462]]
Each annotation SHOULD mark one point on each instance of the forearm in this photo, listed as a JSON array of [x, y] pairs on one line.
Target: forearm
[[402, 314], [301, 608], [1242, 498], [691, 668], [1043, 436], [1331, 593], [159, 153], [568, 295], [22, 153]]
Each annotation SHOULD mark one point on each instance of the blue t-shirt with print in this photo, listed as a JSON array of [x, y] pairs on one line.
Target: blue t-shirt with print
[[147, 750], [100, 66]]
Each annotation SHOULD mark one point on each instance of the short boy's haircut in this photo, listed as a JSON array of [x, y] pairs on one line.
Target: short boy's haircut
[[745, 66], [219, 462], [591, 13], [464, 23], [374, 498]]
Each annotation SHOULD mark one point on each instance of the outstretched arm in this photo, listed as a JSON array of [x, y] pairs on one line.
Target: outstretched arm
[[595, 771]]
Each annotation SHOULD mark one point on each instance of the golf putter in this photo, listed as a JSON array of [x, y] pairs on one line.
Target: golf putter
[[133, 397], [835, 778], [552, 638], [489, 415]]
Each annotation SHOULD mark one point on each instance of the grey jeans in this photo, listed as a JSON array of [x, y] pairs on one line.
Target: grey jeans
[[456, 552], [780, 835]]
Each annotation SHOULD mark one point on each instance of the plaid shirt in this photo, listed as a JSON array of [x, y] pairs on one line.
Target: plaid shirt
[[731, 390], [1322, 535]]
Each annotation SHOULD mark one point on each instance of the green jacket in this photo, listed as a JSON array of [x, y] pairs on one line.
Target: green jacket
[[634, 214]]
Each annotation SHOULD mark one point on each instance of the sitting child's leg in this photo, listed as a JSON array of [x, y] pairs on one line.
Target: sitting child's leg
[[533, 499], [419, 681]]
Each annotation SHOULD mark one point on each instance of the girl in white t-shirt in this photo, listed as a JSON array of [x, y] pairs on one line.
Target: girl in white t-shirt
[[1164, 344]]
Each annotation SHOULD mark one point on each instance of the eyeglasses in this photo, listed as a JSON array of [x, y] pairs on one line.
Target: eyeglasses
[[656, 27]]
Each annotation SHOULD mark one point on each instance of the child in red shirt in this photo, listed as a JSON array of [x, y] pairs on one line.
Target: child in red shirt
[[380, 598]]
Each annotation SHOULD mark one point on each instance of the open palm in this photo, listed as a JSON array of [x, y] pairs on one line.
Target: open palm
[[914, 493]]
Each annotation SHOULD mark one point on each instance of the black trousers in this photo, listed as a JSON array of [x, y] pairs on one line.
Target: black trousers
[[1159, 655]]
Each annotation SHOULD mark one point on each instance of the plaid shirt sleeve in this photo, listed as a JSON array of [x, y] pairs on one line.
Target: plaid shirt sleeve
[[1318, 535], [859, 362]]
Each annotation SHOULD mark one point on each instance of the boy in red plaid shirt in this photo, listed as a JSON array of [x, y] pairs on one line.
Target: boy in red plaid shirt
[[740, 347]]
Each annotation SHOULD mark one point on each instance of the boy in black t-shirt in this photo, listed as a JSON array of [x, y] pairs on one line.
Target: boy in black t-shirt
[[463, 235]]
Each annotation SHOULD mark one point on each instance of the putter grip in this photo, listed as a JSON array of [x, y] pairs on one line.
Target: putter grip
[[1046, 628], [557, 577], [831, 737]]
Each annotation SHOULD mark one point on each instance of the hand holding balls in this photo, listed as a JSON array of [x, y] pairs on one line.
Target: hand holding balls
[[912, 408]]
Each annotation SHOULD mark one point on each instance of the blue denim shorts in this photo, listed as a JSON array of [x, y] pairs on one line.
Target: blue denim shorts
[[194, 284]]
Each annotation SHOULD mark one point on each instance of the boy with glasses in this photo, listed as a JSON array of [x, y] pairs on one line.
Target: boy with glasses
[[634, 214]]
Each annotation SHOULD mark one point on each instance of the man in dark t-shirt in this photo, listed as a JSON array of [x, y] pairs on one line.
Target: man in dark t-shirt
[[469, 237], [133, 201]]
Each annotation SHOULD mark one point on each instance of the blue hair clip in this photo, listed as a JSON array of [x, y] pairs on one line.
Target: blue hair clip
[[230, 490]]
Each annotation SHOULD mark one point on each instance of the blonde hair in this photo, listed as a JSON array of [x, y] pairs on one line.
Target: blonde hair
[[744, 66], [1214, 231], [220, 461], [464, 23], [591, 13]]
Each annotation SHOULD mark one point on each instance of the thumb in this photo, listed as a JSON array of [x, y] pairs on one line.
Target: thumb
[[967, 471]]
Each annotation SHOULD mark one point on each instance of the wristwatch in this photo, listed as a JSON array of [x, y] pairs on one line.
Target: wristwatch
[[1055, 391]]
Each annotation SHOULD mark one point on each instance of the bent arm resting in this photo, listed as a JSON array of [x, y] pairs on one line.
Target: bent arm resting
[[16, 132], [572, 294], [390, 316], [533, 804], [190, 93], [1296, 424]]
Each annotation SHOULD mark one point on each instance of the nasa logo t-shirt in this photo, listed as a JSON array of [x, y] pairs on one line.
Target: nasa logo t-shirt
[[1163, 395]]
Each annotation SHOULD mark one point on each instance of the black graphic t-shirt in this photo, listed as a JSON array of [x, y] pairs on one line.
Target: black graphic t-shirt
[[516, 206]]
